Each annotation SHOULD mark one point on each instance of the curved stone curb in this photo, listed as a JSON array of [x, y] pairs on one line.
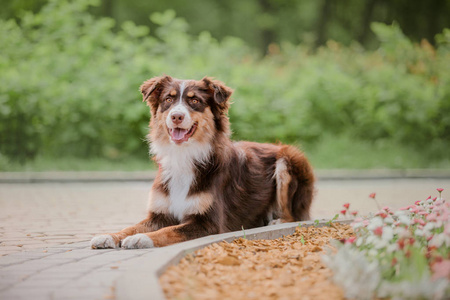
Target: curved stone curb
[[342, 174], [141, 280], [96, 176]]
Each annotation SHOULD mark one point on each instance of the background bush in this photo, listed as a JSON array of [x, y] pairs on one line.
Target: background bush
[[69, 85]]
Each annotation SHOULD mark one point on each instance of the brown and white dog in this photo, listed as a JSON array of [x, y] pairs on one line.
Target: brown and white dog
[[207, 184]]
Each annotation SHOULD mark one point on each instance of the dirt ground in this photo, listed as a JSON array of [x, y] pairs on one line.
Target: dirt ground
[[286, 268]]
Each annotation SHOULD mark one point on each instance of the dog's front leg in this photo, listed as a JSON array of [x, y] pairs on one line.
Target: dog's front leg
[[192, 229], [113, 240]]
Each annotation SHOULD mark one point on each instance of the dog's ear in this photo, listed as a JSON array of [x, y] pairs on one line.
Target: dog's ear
[[151, 89], [220, 92]]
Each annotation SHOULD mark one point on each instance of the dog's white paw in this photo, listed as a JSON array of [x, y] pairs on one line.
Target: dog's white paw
[[103, 242], [137, 241]]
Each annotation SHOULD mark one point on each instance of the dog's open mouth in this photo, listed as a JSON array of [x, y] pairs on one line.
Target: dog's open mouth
[[180, 135]]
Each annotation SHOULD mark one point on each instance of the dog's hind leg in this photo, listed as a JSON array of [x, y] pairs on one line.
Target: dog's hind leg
[[295, 184], [283, 179]]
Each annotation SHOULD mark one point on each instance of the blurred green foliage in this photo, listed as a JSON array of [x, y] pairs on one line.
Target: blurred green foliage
[[263, 22], [70, 85]]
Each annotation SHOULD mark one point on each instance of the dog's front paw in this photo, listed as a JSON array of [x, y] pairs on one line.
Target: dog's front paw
[[103, 242], [137, 241]]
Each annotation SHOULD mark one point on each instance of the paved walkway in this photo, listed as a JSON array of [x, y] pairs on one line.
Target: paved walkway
[[45, 229]]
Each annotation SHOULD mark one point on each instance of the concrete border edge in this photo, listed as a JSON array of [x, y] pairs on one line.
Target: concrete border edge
[[141, 279], [124, 176]]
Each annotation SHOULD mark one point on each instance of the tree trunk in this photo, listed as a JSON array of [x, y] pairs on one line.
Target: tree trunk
[[267, 34], [322, 23], [367, 19]]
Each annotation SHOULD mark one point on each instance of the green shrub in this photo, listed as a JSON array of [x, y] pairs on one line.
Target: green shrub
[[70, 85]]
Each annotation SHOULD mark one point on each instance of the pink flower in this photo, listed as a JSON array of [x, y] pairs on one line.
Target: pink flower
[[350, 240], [431, 217], [382, 214], [429, 197], [440, 190], [343, 212], [419, 221], [417, 202], [441, 269], [447, 228], [394, 262], [434, 199], [354, 213], [443, 217], [372, 195], [346, 205], [378, 231], [414, 210]]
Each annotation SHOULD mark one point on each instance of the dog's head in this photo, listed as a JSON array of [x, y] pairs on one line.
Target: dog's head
[[186, 110]]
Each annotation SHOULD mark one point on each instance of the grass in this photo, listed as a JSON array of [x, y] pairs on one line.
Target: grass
[[331, 152]]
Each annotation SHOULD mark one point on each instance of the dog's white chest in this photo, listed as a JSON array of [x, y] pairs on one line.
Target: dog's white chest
[[179, 203], [178, 172]]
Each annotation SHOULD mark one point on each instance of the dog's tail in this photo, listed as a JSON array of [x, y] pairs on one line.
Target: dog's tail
[[295, 184]]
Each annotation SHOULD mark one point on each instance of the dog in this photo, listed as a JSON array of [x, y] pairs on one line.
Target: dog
[[207, 184]]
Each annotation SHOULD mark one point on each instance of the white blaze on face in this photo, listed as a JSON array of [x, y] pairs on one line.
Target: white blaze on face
[[180, 107]]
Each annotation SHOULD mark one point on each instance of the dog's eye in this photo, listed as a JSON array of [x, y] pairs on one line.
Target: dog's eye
[[169, 100], [194, 101]]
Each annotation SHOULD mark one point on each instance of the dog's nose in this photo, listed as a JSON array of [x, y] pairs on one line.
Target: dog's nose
[[177, 118]]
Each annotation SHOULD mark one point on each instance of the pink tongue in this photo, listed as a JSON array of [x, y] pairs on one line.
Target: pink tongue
[[178, 133]]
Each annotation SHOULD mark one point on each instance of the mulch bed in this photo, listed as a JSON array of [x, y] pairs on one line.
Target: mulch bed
[[286, 268]]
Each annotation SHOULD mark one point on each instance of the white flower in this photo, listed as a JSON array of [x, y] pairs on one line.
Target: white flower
[[388, 233], [359, 242], [357, 225], [371, 240], [375, 223], [402, 232], [358, 281], [420, 232], [388, 220], [392, 248], [399, 213], [440, 239], [423, 288], [403, 219], [429, 226]]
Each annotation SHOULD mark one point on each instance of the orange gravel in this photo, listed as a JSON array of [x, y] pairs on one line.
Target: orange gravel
[[286, 268]]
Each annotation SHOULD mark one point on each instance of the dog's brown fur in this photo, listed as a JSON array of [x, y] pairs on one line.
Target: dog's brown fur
[[230, 185]]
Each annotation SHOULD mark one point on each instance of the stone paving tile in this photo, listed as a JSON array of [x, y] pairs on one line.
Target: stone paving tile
[[95, 279], [26, 294], [7, 261], [48, 214], [64, 293], [81, 273], [40, 282]]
